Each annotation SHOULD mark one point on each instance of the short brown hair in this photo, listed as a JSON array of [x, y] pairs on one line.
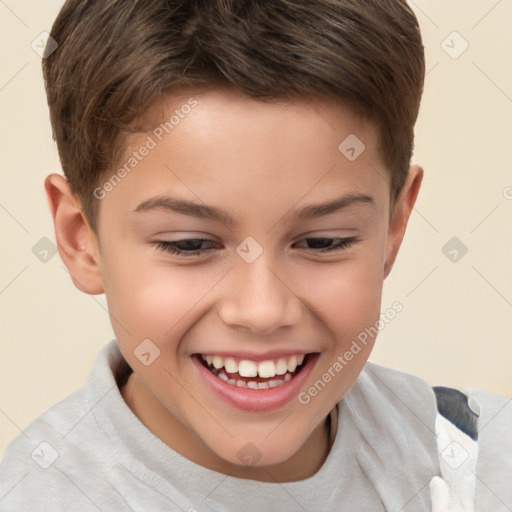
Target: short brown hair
[[116, 56]]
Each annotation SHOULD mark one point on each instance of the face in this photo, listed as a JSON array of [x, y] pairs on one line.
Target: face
[[241, 256]]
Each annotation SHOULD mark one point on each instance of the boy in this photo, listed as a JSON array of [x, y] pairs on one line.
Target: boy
[[238, 185]]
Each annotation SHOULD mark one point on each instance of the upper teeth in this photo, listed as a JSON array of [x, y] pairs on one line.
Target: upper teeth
[[247, 368]]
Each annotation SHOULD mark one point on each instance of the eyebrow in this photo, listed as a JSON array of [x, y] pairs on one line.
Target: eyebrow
[[212, 213]]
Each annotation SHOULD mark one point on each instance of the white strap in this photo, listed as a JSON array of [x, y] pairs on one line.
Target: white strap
[[458, 454]]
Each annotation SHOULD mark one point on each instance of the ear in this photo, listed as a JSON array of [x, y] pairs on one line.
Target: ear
[[76, 241], [400, 217]]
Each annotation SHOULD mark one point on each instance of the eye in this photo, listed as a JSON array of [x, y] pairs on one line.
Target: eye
[[194, 247], [188, 247], [329, 244]]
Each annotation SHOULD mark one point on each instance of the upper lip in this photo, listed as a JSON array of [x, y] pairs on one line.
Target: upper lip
[[252, 356]]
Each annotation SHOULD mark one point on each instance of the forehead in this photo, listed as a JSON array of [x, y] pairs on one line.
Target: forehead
[[224, 109], [220, 143], [225, 119]]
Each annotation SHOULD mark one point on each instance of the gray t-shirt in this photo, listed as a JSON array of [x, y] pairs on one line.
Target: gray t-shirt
[[90, 452]]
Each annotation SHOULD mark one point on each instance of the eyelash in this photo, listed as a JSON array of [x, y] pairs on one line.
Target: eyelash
[[171, 247]]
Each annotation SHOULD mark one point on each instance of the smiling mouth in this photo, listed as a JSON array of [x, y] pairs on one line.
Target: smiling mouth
[[254, 375]]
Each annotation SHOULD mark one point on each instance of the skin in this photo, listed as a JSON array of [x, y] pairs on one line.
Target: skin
[[257, 161]]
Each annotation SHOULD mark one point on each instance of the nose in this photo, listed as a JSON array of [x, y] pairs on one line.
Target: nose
[[258, 298]]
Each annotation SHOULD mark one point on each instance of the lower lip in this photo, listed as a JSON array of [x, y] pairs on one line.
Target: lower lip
[[249, 399]]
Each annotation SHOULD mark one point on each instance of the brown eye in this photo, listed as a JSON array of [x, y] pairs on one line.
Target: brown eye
[[188, 247], [329, 244]]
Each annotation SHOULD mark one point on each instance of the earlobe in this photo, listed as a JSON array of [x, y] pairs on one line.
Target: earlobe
[[76, 241], [402, 211]]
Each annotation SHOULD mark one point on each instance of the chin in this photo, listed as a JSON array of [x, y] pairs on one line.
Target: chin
[[259, 453]]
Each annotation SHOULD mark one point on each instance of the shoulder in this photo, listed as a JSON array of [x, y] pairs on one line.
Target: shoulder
[[480, 415], [494, 412], [398, 385], [392, 395], [32, 467], [494, 465], [60, 461], [52, 425]]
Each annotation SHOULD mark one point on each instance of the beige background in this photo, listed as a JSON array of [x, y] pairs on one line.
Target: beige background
[[456, 325]]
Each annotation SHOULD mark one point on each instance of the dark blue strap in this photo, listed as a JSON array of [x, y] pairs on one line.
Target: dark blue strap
[[453, 405]]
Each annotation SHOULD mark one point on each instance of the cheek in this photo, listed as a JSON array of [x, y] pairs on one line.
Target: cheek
[[347, 301], [347, 296], [155, 300]]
